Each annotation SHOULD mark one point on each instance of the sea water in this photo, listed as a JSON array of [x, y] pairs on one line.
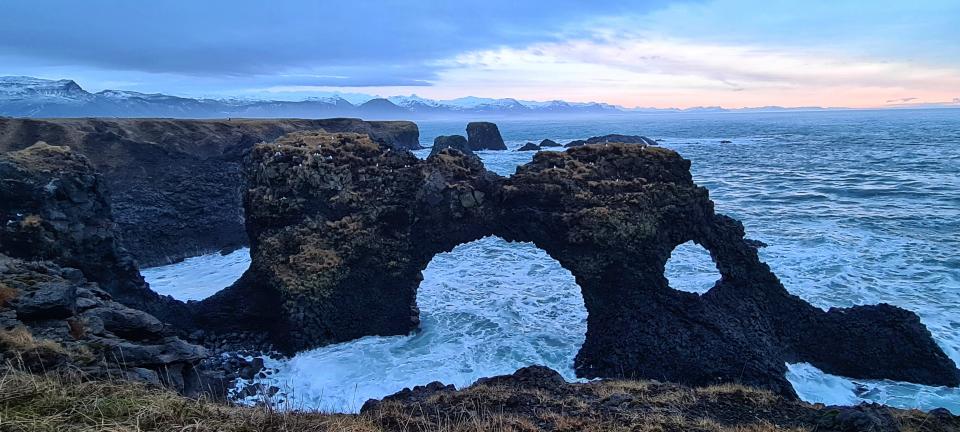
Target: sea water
[[857, 207]]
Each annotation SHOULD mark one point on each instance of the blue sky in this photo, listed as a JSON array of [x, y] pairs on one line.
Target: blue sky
[[732, 53]]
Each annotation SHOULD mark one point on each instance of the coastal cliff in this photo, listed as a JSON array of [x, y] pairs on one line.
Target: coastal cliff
[[175, 185]]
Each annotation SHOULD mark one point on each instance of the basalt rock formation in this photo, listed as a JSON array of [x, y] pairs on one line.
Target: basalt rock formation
[[176, 184], [457, 142], [529, 147], [342, 227], [613, 138], [65, 279], [484, 136]]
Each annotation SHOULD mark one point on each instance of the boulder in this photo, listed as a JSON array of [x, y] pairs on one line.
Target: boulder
[[341, 228], [457, 142], [484, 136], [529, 147], [549, 143]]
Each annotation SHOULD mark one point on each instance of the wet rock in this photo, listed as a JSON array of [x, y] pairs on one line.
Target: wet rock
[[484, 136], [613, 138], [341, 229], [549, 143], [529, 147], [726, 142]]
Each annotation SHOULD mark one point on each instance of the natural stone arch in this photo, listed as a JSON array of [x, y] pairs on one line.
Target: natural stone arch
[[341, 229]]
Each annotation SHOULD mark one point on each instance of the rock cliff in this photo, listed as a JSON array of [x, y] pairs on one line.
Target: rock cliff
[[341, 228], [175, 185], [66, 281]]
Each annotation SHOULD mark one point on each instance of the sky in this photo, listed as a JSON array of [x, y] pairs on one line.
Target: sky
[[654, 53]]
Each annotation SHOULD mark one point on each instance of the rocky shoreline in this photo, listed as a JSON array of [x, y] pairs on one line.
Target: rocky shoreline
[[341, 224]]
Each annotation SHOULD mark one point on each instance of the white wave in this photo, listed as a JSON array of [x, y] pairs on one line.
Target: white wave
[[198, 277]]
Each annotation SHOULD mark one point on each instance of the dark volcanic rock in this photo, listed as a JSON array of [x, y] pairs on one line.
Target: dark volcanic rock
[[613, 138], [176, 184], [341, 229], [549, 143], [484, 136], [93, 333], [529, 147], [53, 206], [457, 142]]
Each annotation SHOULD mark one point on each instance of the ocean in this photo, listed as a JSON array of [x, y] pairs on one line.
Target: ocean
[[857, 207]]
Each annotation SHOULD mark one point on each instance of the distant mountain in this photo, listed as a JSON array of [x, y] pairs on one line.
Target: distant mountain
[[33, 97]]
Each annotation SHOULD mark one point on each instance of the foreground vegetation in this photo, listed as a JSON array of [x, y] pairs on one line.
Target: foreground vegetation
[[62, 402]]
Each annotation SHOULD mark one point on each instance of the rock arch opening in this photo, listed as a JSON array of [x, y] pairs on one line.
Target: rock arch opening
[[198, 277], [691, 269], [501, 306]]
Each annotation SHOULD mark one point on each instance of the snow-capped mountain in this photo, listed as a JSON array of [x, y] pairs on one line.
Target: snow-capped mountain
[[34, 97]]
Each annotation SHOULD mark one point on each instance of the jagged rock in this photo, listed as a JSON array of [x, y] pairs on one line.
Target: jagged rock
[[53, 206], [176, 184], [47, 300], [105, 338], [484, 136], [549, 143], [613, 138], [341, 228], [529, 147], [456, 142]]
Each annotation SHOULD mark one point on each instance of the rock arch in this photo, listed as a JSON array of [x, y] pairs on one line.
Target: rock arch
[[341, 228]]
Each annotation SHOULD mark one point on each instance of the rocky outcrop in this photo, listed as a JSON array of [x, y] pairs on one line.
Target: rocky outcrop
[[52, 317], [536, 398], [529, 147], [549, 143], [613, 138], [176, 184], [65, 279], [341, 229], [484, 136], [54, 207], [457, 142]]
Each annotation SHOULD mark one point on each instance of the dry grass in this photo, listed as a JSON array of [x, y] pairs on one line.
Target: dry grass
[[7, 294], [66, 403], [21, 341]]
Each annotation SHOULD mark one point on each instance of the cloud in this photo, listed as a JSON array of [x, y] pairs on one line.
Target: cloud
[[902, 100], [653, 68], [243, 37]]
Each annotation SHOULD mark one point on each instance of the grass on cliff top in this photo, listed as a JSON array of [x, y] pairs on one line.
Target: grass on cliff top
[[62, 403]]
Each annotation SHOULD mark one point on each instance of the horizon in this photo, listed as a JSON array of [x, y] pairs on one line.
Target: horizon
[[643, 54]]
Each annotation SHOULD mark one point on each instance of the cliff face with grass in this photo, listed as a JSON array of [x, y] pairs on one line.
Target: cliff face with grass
[[341, 228], [66, 284], [175, 185]]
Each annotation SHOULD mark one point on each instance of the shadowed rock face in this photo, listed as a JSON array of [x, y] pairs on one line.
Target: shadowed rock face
[[341, 229], [64, 275], [175, 185], [484, 136]]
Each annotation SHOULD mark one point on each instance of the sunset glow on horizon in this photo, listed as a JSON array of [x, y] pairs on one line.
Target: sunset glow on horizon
[[660, 54]]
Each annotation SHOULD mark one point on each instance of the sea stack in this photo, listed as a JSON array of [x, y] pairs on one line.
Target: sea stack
[[484, 136]]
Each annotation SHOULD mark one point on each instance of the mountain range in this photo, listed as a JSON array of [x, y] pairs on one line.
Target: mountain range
[[34, 97]]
